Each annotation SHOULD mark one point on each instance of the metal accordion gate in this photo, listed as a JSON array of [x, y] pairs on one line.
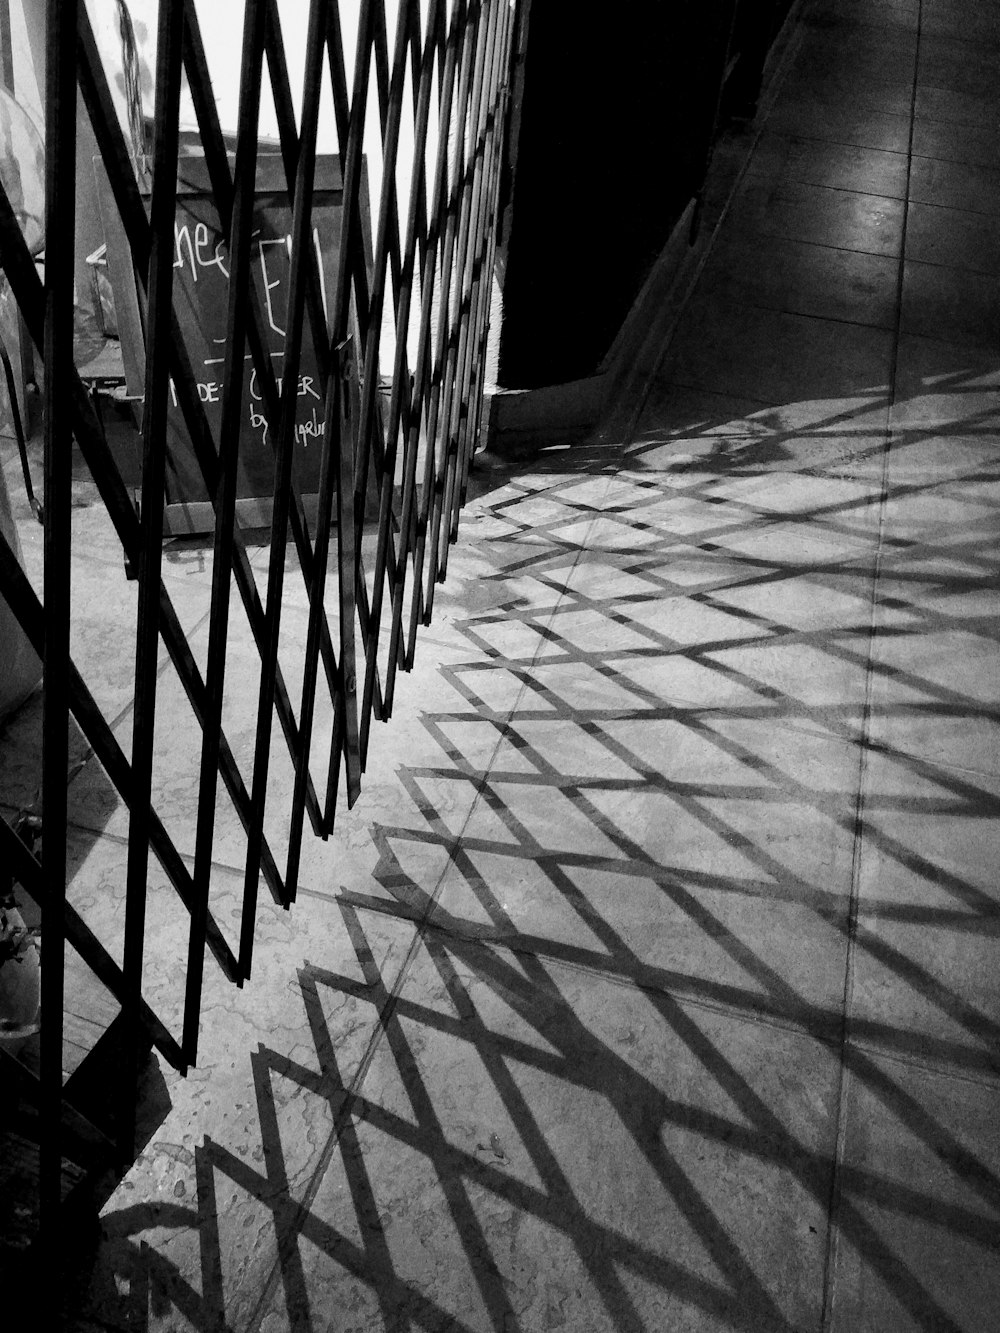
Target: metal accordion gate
[[412, 274]]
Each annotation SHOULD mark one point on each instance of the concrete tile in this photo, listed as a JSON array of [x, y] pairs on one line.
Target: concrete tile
[[686, 434], [104, 607], [698, 622], [829, 163], [949, 583], [21, 754], [954, 305], [607, 532], [954, 106], [819, 214], [817, 600], [945, 385], [919, 1215], [799, 547], [742, 351], [949, 511], [576, 684], [917, 454], [590, 631], [478, 1147], [801, 494], [488, 687], [946, 62], [847, 123], [713, 851], [804, 279], [970, 21], [691, 415], [964, 749], [353, 852], [835, 16], [951, 237], [954, 185], [507, 639], [975, 145], [601, 492], [562, 751], [600, 578], [939, 665], [757, 455], [807, 679], [841, 87], [859, 55], [692, 680], [847, 23], [927, 953]]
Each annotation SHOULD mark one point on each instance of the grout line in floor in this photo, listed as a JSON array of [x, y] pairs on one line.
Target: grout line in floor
[[806, 314], [765, 179], [794, 137], [829, 1282]]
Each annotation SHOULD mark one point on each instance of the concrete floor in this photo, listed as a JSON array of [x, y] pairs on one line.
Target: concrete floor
[[653, 982]]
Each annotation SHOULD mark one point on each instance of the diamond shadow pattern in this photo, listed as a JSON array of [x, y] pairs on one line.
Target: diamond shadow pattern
[[699, 1024]]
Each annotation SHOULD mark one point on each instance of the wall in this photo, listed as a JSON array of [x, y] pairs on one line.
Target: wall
[[616, 119]]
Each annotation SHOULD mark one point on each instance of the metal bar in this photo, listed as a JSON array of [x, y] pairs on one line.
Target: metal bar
[[351, 236], [23, 602], [6, 49], [344, 448], [295, 512], [448, 246], [471, 291], [29, 874], [420, 387], [137, 229], [317, 624], [23, 278], [355, 270], [421, 53], [385, 247], [401, 405], [60, 215], [431, 382], [484, 208], [240, 282], [118, 165], [477, 388], [371, 440], [451, 295], [218, 166], [465, 280], [154, 426], [347, 563], [300, 282], [292, 148]]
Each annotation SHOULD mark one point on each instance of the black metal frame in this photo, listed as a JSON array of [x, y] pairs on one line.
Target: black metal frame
[[421, 423]]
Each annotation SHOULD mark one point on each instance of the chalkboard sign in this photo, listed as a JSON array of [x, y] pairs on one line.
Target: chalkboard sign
[[201, 302]]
